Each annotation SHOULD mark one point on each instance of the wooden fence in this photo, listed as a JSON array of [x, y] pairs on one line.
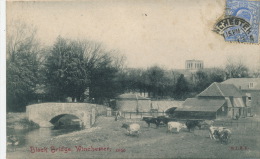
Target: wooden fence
[[227, 123], [139, 115]]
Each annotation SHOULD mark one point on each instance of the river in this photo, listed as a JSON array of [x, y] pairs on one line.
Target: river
[[28, 138]]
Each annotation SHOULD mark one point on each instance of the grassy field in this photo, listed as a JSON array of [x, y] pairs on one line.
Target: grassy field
[[152, 143]]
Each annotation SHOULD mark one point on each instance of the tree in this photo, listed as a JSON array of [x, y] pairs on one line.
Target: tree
[[202, 80], [103, 68], [65, 71], [236, 69], [76, 66], [22, 65], [156, 79], [182, 87]]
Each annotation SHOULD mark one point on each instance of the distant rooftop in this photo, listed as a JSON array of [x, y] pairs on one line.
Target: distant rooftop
[[132, 96], [244, 83], [221, 90], [196, 104]]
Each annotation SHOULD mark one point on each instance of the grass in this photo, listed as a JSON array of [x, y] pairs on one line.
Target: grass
[[151, 143], [19, 121]]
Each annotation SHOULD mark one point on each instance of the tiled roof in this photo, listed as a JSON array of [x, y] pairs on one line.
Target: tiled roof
[[203, 104], [221, 90], [131, 96], [243, 83]]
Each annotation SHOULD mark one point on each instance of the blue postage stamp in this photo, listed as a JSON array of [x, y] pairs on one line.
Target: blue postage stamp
[[241, 22]]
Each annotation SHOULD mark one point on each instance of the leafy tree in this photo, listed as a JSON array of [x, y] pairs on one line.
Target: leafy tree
[[156, 80], [182, 87], [65, 70], [22, 65]]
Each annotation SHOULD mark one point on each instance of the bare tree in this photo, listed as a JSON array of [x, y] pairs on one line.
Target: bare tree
[[21, 38], [236, 68]]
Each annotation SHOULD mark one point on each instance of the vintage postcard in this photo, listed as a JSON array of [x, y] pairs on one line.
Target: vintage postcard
[[132, 79]]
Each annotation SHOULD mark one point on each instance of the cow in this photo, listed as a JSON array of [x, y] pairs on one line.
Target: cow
[[175, 125], [151, 120], [191, 124], [223, 135], [133, 128], [207, 123], [164, 119], [213, 131]]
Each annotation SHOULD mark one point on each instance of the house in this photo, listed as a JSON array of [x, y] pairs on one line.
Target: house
[[216, 101], [202, 108], [130, 102], [251, 88]]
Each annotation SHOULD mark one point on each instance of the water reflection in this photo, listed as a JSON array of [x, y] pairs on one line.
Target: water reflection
[[29, 138]]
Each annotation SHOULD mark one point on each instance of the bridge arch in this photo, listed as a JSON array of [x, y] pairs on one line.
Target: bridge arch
[[45, 113]]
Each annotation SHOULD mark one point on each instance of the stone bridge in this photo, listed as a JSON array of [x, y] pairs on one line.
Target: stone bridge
[[45, 114]]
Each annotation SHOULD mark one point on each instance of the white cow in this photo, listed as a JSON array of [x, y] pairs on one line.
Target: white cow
[[132, 128], [175, 125]]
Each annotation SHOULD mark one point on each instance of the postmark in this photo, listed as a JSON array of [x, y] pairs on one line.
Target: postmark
[[241, 22]]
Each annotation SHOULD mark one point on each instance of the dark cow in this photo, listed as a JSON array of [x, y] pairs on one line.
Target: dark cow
[[223, 135], [151, 120], [191, 124], [165, 120]]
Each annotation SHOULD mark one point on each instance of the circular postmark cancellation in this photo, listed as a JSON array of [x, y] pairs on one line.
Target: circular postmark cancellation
[[234, 29], [241, 21]]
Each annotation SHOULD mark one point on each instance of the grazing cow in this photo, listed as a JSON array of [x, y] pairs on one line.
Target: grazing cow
[[151, 120], [175, 125], [213, 131], [223, 135], [191, 124], [132, 128]]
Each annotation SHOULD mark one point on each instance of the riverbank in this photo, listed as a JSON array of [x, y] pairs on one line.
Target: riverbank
[[19, 121], [108, 140]]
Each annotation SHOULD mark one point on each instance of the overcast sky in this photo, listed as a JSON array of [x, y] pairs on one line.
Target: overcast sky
[[162, 32]]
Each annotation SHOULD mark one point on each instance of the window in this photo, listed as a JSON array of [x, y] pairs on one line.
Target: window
[[251, 85], [249, 98], [223, 109]]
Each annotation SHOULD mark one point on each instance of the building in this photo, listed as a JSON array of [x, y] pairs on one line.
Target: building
[[202, 108], [194, 64], [130, 102], [250, 87], [216, 101]]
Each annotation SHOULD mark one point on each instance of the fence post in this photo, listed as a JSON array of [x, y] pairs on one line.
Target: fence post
[[141, 115], [124, 114], [130, 114], [231, 122], [237, 123]]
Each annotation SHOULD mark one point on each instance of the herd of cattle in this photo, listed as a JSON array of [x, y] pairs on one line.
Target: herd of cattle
[[221, 133]]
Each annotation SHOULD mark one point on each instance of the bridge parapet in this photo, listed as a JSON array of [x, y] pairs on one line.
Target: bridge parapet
[[42, 113]]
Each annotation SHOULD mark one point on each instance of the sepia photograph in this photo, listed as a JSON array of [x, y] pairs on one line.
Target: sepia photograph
[[132, 79]]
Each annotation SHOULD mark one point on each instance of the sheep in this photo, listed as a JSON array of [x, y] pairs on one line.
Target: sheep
[[132, 128]]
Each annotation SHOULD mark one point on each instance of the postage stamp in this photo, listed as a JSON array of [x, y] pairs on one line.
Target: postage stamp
[[241, 22]]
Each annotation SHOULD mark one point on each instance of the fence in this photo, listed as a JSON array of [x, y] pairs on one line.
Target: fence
[[238, 124], [226, 123], [139, 115]]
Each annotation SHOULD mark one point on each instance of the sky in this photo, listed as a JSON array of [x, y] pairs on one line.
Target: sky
[[147, 32]]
